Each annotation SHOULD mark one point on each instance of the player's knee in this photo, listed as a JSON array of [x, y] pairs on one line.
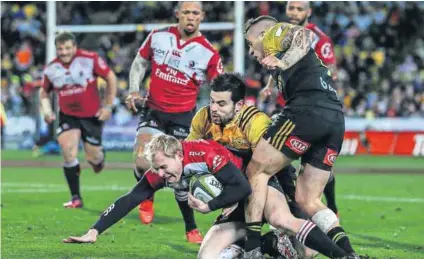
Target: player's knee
[[95, 157], [69, 152], [325, 219], [281, 220]]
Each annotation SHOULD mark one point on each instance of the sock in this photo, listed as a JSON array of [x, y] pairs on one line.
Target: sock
[[253, 236], [188, 215], [311, 236], [72, 173], [330, 195], [269, 244], [339, 237]]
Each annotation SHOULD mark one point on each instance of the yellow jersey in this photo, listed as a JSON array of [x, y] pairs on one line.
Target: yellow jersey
[[241, 135]]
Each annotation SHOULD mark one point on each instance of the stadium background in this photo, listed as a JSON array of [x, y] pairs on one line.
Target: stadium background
[[380, 58]]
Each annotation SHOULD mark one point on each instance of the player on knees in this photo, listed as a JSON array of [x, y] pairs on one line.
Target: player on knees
[[182, 60], [311, 126], [173, 164], [72, 74]]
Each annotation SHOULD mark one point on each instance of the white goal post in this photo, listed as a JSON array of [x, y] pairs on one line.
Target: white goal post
[[236, 27]]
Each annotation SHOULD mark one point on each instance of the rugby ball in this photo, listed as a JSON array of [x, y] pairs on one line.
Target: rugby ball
[[205, 187]]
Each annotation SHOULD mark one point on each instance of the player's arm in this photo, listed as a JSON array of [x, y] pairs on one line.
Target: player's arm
[[298, 42], [235, 187], [137, 72], [116, 211], [46, 106], [111, 88]]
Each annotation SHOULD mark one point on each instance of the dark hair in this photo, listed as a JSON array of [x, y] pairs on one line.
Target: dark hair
[[64, 36], [256, 20], [230, 82]]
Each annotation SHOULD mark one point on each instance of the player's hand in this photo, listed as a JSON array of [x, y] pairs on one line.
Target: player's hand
[[131, 100], [49, 118], [104, 114], [90, 237], [227, 211], [271, 62], [265, 92], [197, 204]]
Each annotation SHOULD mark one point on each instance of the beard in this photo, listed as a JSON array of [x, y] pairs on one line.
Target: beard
[[189, 33]]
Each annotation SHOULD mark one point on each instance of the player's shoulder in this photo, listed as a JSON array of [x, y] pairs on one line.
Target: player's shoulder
[[313, 27], [202, 40], [166, 29], [85, 53], [202, 115], [250, 114]]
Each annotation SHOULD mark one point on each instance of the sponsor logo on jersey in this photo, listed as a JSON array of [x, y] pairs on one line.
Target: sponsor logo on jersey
[[194, 153], [217, 160]]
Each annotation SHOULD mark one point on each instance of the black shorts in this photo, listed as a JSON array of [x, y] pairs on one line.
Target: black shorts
[[91, 128], [313, 133], [238, 214], [175, 124]]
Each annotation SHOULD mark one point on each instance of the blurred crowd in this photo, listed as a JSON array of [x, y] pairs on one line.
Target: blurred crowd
[[379, 48]]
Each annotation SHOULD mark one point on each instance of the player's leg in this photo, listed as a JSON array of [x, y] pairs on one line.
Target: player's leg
[[278, 214], [330, 194], [219, 237], [266, 161], [318, 163], [148, 127], [91, 134], [178, 125], [68, 138]]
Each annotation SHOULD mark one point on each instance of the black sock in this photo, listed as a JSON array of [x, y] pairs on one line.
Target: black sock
[[188, 215], [313, 237], [269, 244], [253, 236], [72, 177], [330, 195], [339, 237]]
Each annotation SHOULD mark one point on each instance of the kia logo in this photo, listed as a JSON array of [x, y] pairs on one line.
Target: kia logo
[[298, 145], [332, 158]]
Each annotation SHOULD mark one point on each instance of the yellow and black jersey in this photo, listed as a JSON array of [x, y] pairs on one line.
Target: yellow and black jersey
[[241, 135], [308, 81]]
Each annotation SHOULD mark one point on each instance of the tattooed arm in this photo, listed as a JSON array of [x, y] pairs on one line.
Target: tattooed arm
[[137, 72], [298, 43]]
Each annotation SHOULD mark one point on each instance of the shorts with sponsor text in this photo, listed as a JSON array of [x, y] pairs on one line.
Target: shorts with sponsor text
[[175, 124], [313, 133], [91, 128]]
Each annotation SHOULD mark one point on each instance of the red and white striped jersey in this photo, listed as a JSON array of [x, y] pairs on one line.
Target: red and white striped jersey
[[178, 69], [200, 157], [76, 83]]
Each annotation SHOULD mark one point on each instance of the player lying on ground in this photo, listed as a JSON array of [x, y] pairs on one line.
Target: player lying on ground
[[239, 128], [73, 75], [173, 162], [181, 60], [311, 127]]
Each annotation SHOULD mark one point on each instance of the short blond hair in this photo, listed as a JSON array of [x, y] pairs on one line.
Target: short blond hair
[[167, 144]]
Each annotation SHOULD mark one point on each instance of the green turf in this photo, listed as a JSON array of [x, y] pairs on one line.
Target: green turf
[[401, 162], [33, 222]]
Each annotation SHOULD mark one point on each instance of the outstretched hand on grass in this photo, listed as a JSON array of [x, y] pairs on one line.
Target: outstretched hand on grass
[[89, 237]]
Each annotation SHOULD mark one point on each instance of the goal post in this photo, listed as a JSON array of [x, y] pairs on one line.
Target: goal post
[[236, 27]]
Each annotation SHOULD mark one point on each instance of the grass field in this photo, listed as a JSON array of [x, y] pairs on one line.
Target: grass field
[[382, 213]]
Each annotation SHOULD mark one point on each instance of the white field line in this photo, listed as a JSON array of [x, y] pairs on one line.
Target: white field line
[[15, 187]]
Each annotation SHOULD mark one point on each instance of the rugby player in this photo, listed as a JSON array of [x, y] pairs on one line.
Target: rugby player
[[73, 75], [310, 127]]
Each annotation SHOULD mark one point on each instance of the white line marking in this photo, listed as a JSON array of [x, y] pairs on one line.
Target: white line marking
[[16, 187]]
